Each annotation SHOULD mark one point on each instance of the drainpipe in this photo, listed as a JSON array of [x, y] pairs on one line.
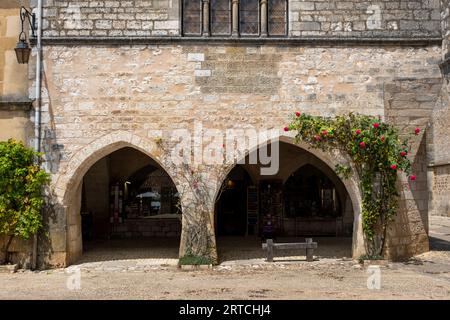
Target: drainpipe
[[37, 109]]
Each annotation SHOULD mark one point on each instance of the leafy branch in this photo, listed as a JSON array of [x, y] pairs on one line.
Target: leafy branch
[[377, 154]]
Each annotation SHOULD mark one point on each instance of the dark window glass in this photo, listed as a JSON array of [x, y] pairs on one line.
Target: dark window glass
[[192, 17], [220, 17], [277, 17], [249, 17]]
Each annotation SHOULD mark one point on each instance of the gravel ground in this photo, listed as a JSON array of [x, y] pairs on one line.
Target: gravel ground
[[134, 276]]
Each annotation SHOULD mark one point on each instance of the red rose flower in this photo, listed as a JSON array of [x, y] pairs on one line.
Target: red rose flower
[[357, 131], [298, 114], [413, 178], [324, 132], [393, 166], [317, 138], [286, 129], [376, 125], [403, 153], [362, 145], [382, 138], [417, 131]]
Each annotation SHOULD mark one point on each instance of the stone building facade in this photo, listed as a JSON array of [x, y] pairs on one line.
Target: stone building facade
[[122, 73], [14, 101], [439, 155]]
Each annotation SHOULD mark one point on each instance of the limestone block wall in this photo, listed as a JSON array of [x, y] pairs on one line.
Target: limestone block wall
[[14, 113], [335, 18], [13, 76], [153, 228], [410, 104], [94, 92], [111, 18], [439, 155], [364, 18], [445, 14]]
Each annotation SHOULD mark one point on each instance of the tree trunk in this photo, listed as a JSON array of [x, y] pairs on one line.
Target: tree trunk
[[4, 251]]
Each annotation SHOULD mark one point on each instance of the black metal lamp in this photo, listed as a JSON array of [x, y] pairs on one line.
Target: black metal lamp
[[23, 49]]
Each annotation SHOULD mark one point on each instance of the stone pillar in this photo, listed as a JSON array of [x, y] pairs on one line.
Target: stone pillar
[[263, 8], [205, 12], [235, 18]]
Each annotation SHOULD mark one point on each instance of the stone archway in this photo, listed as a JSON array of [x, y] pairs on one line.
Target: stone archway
[[328, 160], [68, 182]]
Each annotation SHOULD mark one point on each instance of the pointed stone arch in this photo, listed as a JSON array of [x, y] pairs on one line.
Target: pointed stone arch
[[68, 182], [330, 160]]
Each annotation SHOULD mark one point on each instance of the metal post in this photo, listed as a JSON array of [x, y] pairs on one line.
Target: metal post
[[37, 110]]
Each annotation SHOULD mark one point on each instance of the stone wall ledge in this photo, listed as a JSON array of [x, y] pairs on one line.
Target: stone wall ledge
[[6, 105], [439, 164], [355, 41]]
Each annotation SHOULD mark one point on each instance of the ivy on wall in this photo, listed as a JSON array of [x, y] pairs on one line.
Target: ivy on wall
[[377, 154]]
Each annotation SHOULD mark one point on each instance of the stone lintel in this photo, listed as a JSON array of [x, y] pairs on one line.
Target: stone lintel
[[15, 105]]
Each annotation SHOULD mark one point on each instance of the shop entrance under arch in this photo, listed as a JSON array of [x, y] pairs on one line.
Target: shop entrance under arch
[[129, 209], [304, 199]]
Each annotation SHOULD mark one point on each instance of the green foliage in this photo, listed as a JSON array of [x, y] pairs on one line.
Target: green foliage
[[368, 257], [21, 186], [377, 154], [191, 259]]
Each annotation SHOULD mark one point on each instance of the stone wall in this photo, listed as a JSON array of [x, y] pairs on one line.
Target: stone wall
[[335, 18], [111, 18], [445, 5], [409, 104], [151, 227], [439, 155], [94, 92], [440, 187], [364, 18], [14, 102]]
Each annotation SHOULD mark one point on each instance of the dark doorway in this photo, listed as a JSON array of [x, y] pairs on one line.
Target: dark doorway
[[129, 201], [311, 204], [231, 208]]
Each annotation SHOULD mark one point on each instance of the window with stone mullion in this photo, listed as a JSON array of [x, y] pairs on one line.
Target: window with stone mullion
[[249, 17], [220, 17], [277, 20], [192, 17]]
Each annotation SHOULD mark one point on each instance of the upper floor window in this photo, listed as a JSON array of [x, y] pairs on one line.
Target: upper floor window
[[220, 17], [277, 17], [192, 17], [234, 17], [249, 17]]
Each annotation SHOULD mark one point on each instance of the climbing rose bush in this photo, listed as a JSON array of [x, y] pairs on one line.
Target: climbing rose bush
[[377, 154]]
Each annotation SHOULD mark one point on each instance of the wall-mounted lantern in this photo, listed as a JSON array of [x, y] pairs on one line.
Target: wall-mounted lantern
[[23, 49]]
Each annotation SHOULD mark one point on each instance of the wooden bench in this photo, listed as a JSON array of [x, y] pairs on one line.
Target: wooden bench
[[309, 245]]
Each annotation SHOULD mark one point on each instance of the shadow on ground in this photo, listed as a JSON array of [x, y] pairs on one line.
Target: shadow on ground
[[249, 248], [439, 244], [229, 249], [128, 249]]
